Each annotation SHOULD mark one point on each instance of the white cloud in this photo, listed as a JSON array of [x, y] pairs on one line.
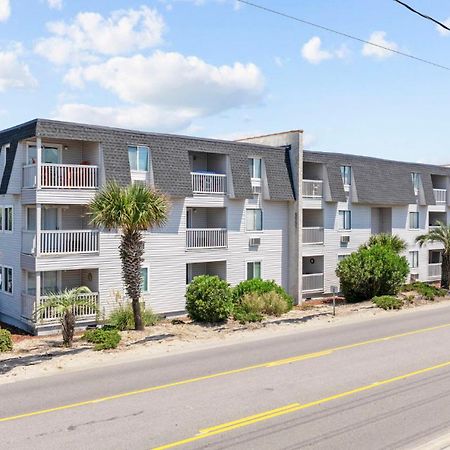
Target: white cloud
[[90, 35], [55, 4], [379, 38], [5, 10], [312, 51], [13, 72], [443, 31], [175, 80]]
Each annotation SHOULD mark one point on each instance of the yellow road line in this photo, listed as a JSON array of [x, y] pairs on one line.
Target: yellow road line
[[222, 374], [291, 408]]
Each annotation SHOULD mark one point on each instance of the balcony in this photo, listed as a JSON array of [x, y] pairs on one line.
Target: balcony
[[313, 235], [60, 242], [312, 189], [209, 183], [434, 270], [60, 176], [440, 196], [312, 283], [204, 238]]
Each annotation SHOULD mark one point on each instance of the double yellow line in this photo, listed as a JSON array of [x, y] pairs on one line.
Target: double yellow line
[[222, 374]]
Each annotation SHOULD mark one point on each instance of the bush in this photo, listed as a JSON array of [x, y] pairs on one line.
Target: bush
[[388, 302], [208, 299], [386, 240], [275, 304], [122, 318], [103, 339], [426, 290], [259, 286], [6, 343], [372, 272]]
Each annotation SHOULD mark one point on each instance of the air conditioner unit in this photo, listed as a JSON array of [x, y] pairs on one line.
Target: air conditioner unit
[[414, 277], [256, 189], [254, 242], [345, 239]]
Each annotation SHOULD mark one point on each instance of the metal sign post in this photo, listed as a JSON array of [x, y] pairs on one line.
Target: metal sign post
[[333, 290]]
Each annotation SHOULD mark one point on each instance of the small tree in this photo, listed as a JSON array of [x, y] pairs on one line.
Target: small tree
[[64, 306], [440, 234], [132, 209], [387, 240], [372, 271]]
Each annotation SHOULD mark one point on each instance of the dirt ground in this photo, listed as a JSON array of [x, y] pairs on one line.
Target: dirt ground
[[35, 356]]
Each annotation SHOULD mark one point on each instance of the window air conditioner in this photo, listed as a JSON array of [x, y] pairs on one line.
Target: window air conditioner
[[345, 239], [254, 242], [256, 189]]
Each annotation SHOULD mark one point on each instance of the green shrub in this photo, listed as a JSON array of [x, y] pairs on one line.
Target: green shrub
[[122, 318], [275, 304], [243, 316], [208, 299], [103, 339], [388, 302], [259, 286], [371, 272], [394, 242], [428, 291], [6, 343]]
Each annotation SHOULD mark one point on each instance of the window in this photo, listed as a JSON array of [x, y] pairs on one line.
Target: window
[[346, 173], [6, 218], [138, 157], [253, 270], [49, 282], [3, 152], [414, 259], [31, 219], [144, 277], [6, 281], [254, 220], [435, 257], [341, 258], [413, 220], [416, 182], [255, 167], [345, 220]]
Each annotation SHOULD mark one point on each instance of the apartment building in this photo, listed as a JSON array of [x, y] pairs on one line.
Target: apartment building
[[262, 207]]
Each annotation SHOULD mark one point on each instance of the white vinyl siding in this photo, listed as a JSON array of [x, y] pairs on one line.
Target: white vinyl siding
[[254, 219]]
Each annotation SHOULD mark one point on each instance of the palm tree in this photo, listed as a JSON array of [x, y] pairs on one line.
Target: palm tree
[[440, 234], [396, 243], [64, 305], [132, 209]]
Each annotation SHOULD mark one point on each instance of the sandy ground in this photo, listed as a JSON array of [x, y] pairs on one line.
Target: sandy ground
[[44, 355]]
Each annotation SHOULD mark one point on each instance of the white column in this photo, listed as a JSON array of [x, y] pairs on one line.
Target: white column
[[38, 289], [38, 162], [38, 228]]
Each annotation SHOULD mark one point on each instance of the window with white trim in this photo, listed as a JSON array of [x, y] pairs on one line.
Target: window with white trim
[[345, 220], [413, 220], [346, 173], [341, 258], [255, 167], [414, 259], [6, 279], [138, 156], [415, 177], [144, 279], [253, 270], [6, 218], [254, 219]]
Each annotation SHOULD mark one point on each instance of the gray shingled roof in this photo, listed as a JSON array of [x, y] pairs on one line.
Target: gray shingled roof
[[377, 181], [170, 156]]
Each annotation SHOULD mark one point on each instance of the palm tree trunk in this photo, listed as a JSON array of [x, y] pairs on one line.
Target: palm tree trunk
[[68, 328], [131, 251], [445, 270]]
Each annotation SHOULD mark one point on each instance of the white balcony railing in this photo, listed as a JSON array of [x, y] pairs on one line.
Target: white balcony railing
[[62, 241], [434, 270], [61, 176], [198, 238], [209, 183], [312, 282], [313, 235], [440, 195], [312, 188]]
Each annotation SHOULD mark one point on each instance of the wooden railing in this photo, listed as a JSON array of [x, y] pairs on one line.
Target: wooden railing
[[312, 282], [208, 183], [74, 241], [313, 235], [312, 188], [440, 195], [61, 176], [434, 270], [197, 238]]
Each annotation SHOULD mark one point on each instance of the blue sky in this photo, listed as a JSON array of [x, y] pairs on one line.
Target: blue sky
[[220, 69]]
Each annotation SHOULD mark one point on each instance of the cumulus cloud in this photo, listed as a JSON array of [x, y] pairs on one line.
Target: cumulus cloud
[[91, 35], [5, 10], [313, 52], [443, 31], [14, 73], [55, 4], [379, 38], [175, 80]]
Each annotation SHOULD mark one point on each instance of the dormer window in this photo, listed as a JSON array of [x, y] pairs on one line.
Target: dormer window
[[416, 182], [139, 158], [255, 167], [346, 173]]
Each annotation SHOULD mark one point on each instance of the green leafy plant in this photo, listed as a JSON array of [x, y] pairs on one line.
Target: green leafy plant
[[208, 299], [394, 242], [259, 286], [6, 342], [388, 302], [427, 291], [122, 318], [372, 271], [103, 339], [132, 209]]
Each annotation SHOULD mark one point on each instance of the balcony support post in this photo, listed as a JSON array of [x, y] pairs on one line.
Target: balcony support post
[[38, 162], [38, 292], [38, 228]]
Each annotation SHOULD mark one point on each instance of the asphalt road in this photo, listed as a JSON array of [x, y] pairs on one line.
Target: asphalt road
[[382, 384]]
